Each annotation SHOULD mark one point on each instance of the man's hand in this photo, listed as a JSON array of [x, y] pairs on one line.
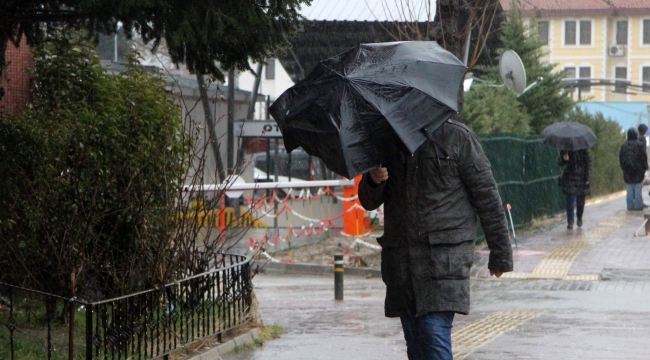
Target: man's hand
[[496, 273], [566, 157], [379, 175]]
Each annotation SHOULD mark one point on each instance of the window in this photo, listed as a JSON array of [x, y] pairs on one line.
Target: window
[[577, 32], [585, 32], [645, 78], [583, 72], [621, 32], [646, 32], [570, 72], [569, 32], [270, 69], [542, 30], [113, 47], [620, 72]]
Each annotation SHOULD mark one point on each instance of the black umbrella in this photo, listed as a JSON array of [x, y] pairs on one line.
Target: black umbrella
[[351, 109], [568, 136]]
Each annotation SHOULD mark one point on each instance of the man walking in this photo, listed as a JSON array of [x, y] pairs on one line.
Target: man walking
[[633, 160], [431, 201]]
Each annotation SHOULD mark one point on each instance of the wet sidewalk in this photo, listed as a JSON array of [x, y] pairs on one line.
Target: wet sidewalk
[[575, 294]]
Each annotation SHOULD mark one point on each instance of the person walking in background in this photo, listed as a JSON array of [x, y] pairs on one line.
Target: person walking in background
[[431, 201], [575, 180], [643, 129], [634, 163]]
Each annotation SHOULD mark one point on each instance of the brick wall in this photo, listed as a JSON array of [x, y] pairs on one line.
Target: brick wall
[[14, 79]]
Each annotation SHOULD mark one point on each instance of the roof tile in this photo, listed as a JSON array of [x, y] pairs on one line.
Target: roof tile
[[581, 7]]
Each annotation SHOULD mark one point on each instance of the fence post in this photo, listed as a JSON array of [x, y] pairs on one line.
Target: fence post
[[89, 331], [338, 277]]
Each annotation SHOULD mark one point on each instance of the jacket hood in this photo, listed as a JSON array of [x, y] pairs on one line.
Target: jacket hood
[[632, 134]]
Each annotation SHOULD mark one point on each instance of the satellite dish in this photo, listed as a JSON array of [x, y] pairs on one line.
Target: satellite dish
[[512, 72]]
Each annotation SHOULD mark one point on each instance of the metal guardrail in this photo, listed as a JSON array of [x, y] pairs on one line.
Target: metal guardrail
[[144, 325], [268, 185]]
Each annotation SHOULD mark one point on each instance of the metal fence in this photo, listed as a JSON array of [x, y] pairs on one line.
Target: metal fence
[[526, 173], [144, 325]]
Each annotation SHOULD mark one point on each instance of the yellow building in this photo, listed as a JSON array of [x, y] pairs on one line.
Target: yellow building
[[607, 41]]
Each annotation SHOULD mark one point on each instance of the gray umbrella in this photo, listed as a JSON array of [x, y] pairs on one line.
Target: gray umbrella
[[568, 136], [352, 108]]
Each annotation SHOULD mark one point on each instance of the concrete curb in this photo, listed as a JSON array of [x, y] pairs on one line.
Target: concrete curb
[[281, 268], [229, 346]]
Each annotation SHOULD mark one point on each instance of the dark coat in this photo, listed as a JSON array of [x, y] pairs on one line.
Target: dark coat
[[633, 158], [643, 128], [431, 201], [576, 177]]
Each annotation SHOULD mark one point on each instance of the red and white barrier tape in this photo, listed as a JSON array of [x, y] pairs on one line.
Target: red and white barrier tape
[[361, 242]]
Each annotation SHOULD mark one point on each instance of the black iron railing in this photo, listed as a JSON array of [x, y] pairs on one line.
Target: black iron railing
[[145, 325]]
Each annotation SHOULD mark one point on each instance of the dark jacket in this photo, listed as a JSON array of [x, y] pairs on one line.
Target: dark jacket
[[633, 158], [431, 200], [643, 128], [576, 176]]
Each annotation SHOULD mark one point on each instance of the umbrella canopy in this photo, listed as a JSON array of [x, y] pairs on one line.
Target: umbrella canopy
[[568, 136], [352, 108]]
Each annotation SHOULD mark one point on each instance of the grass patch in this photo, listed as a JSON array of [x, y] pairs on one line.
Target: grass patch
[[267, 333], [271, 332], [30, 337]]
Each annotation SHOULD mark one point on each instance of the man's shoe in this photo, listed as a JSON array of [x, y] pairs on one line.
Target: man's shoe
[[569, 227], [645, 206], [579, 223]]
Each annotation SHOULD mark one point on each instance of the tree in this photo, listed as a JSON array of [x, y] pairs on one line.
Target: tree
[[462, 27], [491, 110], [547, 103], [199, 33]]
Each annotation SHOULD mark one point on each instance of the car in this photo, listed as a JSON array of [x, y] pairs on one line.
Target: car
[[295, 165]]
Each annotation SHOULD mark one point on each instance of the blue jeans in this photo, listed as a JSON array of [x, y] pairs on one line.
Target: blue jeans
[[576, 202], [634, 199], [428, 337]]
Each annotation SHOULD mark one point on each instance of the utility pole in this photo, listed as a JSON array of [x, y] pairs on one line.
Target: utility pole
[[231, 120]]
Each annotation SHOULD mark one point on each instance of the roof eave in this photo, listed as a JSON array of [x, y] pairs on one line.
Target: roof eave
[[552, 13]]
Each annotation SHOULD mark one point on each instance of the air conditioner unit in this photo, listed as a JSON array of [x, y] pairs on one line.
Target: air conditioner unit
[[617, 50]]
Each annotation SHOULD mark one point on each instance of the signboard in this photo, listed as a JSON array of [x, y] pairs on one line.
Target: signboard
[[257, 129]]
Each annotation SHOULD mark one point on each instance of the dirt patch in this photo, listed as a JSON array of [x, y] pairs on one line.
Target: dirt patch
[[322, 253]]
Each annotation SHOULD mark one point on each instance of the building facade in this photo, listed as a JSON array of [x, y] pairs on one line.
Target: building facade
[[607, 41], [14, 79]]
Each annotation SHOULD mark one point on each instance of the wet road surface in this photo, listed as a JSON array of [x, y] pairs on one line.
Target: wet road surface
[[581, 294]]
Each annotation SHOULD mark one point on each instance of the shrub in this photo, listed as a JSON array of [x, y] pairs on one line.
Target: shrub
[[607, 176], [91, 173]]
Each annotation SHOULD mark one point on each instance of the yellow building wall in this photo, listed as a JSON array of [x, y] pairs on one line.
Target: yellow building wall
[[639, 56], [596, 55]]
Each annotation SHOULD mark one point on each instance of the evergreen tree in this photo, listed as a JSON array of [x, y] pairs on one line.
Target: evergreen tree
[[492, 110], [199, 33], [547, 103]]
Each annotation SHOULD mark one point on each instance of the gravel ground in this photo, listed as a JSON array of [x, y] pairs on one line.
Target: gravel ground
[[322, 252]]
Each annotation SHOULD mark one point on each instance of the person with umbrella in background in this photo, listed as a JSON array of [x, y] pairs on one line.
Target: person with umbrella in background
[[382, 110], [573, 140], [634, 163], [575, 180]]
